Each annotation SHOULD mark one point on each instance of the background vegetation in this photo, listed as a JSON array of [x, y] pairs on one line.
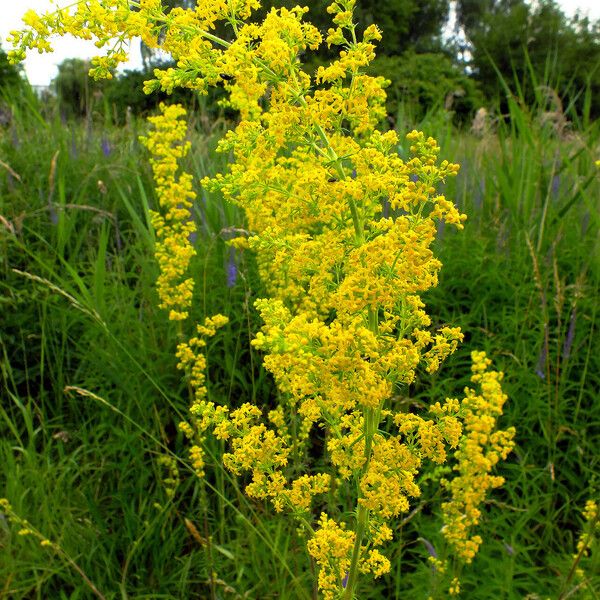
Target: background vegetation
[[89, 393], [464, 54]]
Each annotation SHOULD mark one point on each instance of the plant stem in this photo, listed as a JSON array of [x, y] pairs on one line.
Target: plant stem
[[362, 517], [591, 527], [362, 521]]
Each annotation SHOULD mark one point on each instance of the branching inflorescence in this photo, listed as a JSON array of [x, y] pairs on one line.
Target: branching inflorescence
[[342, 229]]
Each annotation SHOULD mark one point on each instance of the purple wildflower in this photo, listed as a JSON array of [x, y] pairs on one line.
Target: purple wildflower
[[106, 148], [345, 580], [585, 222], [232, 270], [479, 194], [385, 208], [440, 229], [74, 151], [5, 116], [429, 547], [570, 335], [53, 214], [555, 187], [51, 209], [118, 240], [193, 236], [14, 138]]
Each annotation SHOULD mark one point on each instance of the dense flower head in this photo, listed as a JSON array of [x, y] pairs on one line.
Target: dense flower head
[[343, 230], [174, 250], [389, 480], [331, 547], [480, 449], [174, 225], [192, 361]]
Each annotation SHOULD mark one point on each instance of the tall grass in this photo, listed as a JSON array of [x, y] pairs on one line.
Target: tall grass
[[91, 397]]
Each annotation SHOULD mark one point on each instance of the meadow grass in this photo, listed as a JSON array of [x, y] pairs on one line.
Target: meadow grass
[[91, 396]]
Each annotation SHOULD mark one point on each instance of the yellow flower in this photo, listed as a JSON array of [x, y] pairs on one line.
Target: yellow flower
[[173, 248], [480, 449], [343, 231], [454, 589], [331, 547]]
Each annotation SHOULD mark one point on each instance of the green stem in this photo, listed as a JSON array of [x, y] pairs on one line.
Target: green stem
[[362, 521], [370, 426], [362, 516]]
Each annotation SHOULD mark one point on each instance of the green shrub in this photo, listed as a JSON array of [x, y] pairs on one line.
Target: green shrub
[[426, 82]]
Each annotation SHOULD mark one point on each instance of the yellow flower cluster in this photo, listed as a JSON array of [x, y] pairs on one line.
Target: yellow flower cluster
[[342, 228], [171, 481], [192, 361], [173, 249], [454, 589], [480, 449], [331, 547], [260, 451], [191, 358], [25, 527], [588, 543], [389, 479]]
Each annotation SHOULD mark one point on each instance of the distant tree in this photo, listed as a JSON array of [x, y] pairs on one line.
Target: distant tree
[[77, 93], [533, 44], [425, 82], [125, 93]]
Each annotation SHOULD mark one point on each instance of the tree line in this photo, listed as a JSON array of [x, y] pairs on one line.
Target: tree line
[[459, 55]]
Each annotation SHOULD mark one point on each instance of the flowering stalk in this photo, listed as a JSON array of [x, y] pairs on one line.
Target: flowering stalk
[[174, 251], [587, 544], [344, 325], [26, 529]]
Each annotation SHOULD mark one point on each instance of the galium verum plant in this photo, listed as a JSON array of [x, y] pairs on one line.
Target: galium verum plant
[[342, 230]]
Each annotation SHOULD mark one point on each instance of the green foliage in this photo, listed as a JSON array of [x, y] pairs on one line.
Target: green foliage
[[77, 93], [124, 95], [75, 215], [426, 82], [406, 24], [84, 469], [533, 43]]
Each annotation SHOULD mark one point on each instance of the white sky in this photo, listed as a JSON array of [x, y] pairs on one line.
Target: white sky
[[41, 68]]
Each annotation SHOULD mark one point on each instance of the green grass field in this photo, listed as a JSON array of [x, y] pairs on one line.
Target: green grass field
[[90, 395]]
